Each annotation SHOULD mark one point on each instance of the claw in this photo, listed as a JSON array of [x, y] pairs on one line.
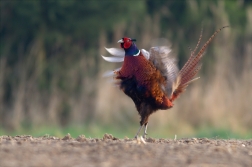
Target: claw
[[140, 140]]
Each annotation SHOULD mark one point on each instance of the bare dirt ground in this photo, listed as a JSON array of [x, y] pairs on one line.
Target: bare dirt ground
[[50, 151]]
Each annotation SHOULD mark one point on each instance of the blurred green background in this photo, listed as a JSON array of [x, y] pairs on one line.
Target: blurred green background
[[51, 69]]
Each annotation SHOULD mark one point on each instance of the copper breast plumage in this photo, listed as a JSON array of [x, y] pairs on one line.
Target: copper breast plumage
[[145, 74]]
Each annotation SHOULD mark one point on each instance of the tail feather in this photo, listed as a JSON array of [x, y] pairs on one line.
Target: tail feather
[[190, 69], [187, 78], [192, 52]]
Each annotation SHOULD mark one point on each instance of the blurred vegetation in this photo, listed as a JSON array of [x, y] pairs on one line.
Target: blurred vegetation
[[98, 131], [50, 64]]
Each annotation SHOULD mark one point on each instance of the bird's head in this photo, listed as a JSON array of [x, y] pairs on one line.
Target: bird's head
[[129, 46], [126, 42]]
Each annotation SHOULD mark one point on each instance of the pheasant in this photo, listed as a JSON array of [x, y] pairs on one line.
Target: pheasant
[[152, 79]]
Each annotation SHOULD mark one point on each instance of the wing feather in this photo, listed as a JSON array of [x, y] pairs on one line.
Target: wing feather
[[116, 51], [113, 59], [163, 60]]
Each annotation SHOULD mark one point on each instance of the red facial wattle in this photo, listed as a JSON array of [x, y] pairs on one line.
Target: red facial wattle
[[126, 43]]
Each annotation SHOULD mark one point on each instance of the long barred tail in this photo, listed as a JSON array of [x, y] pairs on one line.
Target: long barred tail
[[190, 69]]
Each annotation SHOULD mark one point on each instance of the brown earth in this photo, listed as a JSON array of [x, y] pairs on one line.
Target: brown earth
[[50, 151]]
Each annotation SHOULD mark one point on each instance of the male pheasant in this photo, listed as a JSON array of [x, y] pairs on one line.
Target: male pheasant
[[152, 79]]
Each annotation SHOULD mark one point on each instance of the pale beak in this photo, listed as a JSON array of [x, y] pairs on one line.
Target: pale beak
[[120, 41]]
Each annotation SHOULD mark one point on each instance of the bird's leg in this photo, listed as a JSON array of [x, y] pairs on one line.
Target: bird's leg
[[138, 131], [145, 130]]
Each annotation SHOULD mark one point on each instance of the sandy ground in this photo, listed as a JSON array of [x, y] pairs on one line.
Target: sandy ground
[[48, 151]]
